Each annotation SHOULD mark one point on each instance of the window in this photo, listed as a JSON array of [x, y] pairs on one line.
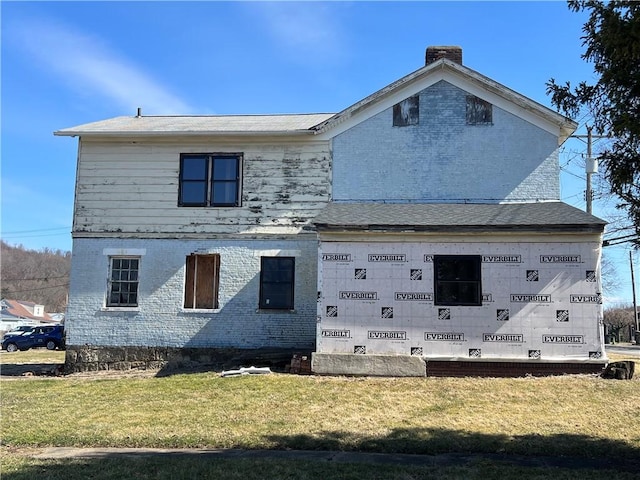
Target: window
[[202, 281], [457, 280], [276, 282], [479, 112], [407, 112], [209, 180], [123, 282]]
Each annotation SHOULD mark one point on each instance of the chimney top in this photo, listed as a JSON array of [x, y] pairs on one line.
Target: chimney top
[[435, 53]]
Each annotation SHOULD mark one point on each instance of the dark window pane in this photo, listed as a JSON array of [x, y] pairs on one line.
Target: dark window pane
[[457, 280], [457, 269], [277, 296], [479, 112], [224, 193], [225, 168], [407, 112], [194, 193], [457, 293], [277, 282], [194, 168]]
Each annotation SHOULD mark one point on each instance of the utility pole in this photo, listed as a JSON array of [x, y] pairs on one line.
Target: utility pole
[[591, 164], [590, 169], [633, 292]]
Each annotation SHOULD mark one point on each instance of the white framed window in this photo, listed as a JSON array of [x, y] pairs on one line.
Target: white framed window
[[123, 282]]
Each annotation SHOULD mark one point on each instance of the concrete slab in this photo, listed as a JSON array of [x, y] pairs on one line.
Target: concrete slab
[[368, 365]]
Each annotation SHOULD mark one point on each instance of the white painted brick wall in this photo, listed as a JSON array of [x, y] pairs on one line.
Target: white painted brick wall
[[160, 319], [442, 158]]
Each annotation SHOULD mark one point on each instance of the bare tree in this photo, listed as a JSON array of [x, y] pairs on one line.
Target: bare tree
[[39, 276], [618, 320]]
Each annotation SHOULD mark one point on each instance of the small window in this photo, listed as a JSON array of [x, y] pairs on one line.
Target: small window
[[457, 280], [202, 281], [407, 112], [123, 282], [277, 276], [208, 180], [479, 112]]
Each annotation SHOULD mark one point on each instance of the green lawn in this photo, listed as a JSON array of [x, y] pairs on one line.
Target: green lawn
[[578, 416]]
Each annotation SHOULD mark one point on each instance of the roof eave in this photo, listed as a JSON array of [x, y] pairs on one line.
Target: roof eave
[[124, 134], [595, 228]]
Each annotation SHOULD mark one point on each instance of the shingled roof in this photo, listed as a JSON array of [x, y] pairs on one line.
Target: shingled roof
[[538, 217], [200, 125]]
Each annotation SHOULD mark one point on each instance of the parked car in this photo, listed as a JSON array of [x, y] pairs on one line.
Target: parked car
[[19, 330], [48, 336]]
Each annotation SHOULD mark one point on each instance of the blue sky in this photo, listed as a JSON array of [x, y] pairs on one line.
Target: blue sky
[[69, 63]]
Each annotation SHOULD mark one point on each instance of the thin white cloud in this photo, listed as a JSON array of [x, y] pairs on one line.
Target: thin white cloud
[[309, 31], [87, 65]]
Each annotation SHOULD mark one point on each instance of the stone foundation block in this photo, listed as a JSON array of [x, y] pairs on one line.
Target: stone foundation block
[[367, 365]]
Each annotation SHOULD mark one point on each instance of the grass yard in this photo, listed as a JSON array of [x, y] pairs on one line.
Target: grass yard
[[577, 416]]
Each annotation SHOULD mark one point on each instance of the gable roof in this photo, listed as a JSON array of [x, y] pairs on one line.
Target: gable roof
[[328, 125], [20, 309], [460, 76], [432, 217]]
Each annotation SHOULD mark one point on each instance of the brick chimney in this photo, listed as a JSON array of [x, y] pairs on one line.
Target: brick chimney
[[449, 52]]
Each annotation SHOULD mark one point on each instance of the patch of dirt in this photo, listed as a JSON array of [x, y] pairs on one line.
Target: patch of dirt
[[25, 371], [30, 370]]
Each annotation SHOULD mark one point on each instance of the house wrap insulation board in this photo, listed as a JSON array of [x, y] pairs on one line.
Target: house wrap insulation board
[[539, 301]]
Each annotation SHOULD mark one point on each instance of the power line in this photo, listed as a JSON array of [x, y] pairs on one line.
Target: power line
[[11, 292], [37, 230], [19, 235], [46, 279]]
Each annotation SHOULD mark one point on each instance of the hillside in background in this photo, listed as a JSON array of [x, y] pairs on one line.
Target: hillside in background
[[39, 276]]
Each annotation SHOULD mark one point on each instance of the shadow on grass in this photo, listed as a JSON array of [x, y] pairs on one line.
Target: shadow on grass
[[184, 467], [444, 441], [403, 453]]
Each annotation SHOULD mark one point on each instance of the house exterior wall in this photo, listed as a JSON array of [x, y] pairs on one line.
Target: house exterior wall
[[129, 187], [443, 159], [540, 298], [161, 320]]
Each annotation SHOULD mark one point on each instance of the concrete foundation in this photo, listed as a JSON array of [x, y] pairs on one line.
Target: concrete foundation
[[367, 365]]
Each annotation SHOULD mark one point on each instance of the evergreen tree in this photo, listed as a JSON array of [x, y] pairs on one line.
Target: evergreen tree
[[612, 42]]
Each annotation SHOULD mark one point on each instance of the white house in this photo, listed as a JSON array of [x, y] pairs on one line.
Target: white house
[[419, 231]]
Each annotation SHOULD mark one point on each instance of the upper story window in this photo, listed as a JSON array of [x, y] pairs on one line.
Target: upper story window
[[457, 280], [123, 282], [407, 112], [210, 180], [479, 112]]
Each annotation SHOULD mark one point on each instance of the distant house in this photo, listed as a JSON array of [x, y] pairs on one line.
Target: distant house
[[417, 232], [15, 313]]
